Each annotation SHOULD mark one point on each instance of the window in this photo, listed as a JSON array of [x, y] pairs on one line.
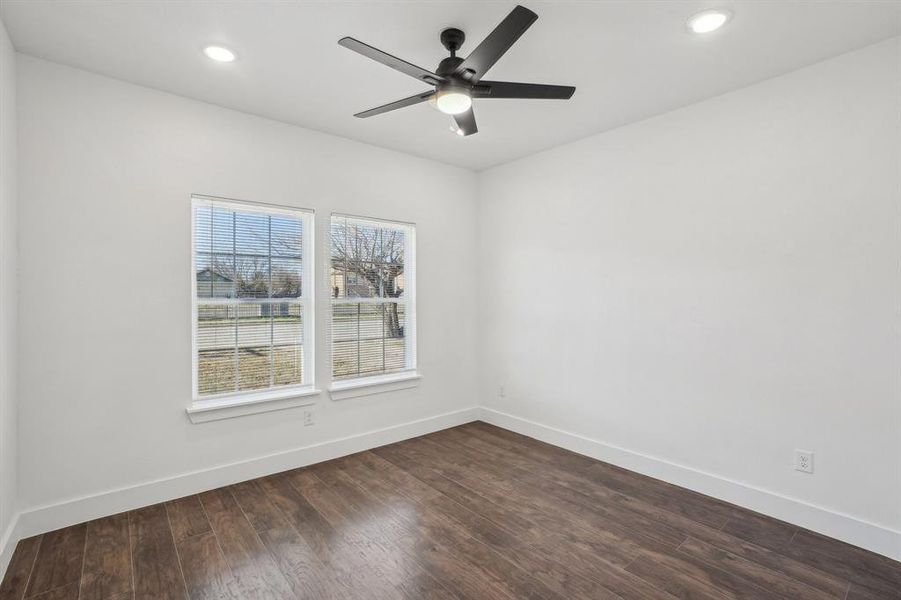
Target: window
[[372, 281], [252, 298]]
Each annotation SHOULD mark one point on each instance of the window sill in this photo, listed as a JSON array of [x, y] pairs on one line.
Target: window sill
[[365, 386], [203, 411]]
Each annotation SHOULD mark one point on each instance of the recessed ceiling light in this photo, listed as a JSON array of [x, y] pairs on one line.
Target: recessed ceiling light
[[708, 20], [219, 53]]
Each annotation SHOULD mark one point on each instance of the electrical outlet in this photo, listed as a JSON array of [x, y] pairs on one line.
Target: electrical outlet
[[308, 417], [501, 391], [803, 461]]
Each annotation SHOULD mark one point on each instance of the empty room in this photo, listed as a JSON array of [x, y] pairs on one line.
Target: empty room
[[413, 300]]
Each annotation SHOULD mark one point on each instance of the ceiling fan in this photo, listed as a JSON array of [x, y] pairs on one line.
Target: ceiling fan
[[457, 81]]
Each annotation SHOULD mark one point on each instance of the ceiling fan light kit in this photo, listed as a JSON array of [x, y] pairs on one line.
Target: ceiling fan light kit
[[452, 100], [457, 81]]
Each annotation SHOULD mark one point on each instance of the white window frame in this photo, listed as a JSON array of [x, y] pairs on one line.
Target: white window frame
[[350, 387], [237, 403]]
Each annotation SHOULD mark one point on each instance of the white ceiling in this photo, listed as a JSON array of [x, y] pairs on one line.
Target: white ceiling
[[628, 59]]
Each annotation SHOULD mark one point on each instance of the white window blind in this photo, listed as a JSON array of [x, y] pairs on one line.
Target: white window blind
[[372, 281], [252, 297]]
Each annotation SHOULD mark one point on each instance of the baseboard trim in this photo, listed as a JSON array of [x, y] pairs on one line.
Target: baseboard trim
[[77, 510], [8, 542], [847, 528]]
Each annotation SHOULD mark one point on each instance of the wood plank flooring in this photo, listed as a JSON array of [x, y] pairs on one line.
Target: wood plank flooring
[[473, 512]]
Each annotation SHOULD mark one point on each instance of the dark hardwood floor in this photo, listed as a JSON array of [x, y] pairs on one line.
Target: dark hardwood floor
[[470, 512]]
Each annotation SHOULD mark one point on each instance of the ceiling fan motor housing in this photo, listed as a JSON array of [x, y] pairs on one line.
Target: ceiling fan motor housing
[[447, 66]]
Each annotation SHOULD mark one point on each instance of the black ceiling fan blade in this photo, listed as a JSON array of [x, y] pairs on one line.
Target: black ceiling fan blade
[[466, 122], [395, 105], [510, 89], [496, 44], [391, 61]]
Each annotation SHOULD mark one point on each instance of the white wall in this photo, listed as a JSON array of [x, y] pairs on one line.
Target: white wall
[[106, 174], [715, 287], [8, 289]]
